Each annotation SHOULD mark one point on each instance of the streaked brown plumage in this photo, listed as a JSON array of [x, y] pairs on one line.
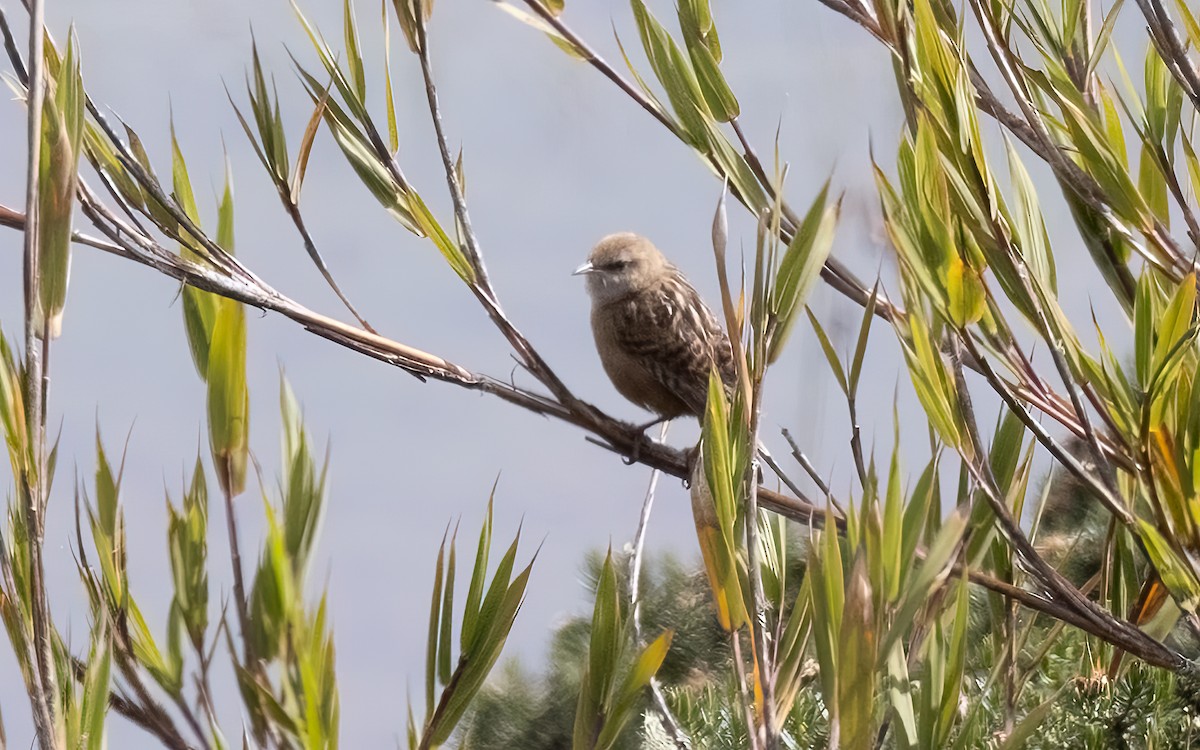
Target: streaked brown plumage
[[656, 338]]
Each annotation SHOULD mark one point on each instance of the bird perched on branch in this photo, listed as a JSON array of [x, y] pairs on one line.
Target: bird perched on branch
[[656, 338]]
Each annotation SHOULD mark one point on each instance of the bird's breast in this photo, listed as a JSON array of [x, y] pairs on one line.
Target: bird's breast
[[628, 369]]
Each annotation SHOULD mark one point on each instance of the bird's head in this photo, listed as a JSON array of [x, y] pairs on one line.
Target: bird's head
[[620, 265]]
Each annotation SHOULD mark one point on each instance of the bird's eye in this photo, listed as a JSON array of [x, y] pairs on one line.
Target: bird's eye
[[617, 265]]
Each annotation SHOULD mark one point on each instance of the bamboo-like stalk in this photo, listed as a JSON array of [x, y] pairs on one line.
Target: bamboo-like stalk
[[762, 651], [45, 699]]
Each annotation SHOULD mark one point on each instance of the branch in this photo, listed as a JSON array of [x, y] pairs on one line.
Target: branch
[[612, 433], [1091, 617], [1072, 464], [1171, 48]]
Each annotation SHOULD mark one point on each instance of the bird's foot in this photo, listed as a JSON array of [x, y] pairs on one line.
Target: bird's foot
[[639, 436]]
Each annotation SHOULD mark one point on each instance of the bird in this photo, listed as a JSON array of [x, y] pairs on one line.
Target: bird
[[656, 338]]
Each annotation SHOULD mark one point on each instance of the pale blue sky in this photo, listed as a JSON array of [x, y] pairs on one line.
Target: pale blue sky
[[555, 158]]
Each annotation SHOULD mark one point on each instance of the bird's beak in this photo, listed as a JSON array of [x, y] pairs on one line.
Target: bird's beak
[[585, 268]]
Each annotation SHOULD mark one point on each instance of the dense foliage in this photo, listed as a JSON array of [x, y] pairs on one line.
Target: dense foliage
[[947, 604]]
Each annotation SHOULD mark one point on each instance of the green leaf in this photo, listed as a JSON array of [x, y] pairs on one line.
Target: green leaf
[[478, 578], [967, 300], [675, 74], [1176, 574], [492, 627], [146, 652], [860, 346], [900, 696], [831, 356], [636, 680], [606, 639], [952, 682], [828, 597], [199, 307], [187, 533], [444, 637], [696, 20], [96, 688], [406, 14], [645, 666], [1175, 321], [1031, 723], [229, 398], [1153, 185], [704, 49], [1030, 226], [857, 642], [353, 54], [108, 530], [801, 266], [431, 652], [1143, 329], [389, 98], [715, 507], [551, 33], [58, 174], [932, 573], [199, 317]]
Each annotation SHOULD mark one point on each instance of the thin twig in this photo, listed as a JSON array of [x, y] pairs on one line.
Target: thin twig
[[1171, 48], [145, 712], [456, 191], [639, 542], [293, 210], [806, 464], [189, 717], [481, 284], [1063, 456], [745, 698], [762, 652], [669, 722], [860, 465], [239, 587], [777, 470]]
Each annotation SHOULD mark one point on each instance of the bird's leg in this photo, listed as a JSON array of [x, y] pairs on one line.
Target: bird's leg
[[640, 431]]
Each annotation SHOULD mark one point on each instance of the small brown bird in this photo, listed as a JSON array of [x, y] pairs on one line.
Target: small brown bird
[[656, 338]]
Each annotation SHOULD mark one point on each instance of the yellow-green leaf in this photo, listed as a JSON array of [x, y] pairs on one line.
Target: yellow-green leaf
[[229, 397]]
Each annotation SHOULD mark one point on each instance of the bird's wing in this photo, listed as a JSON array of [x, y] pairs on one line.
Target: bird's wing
[[675, 337]]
